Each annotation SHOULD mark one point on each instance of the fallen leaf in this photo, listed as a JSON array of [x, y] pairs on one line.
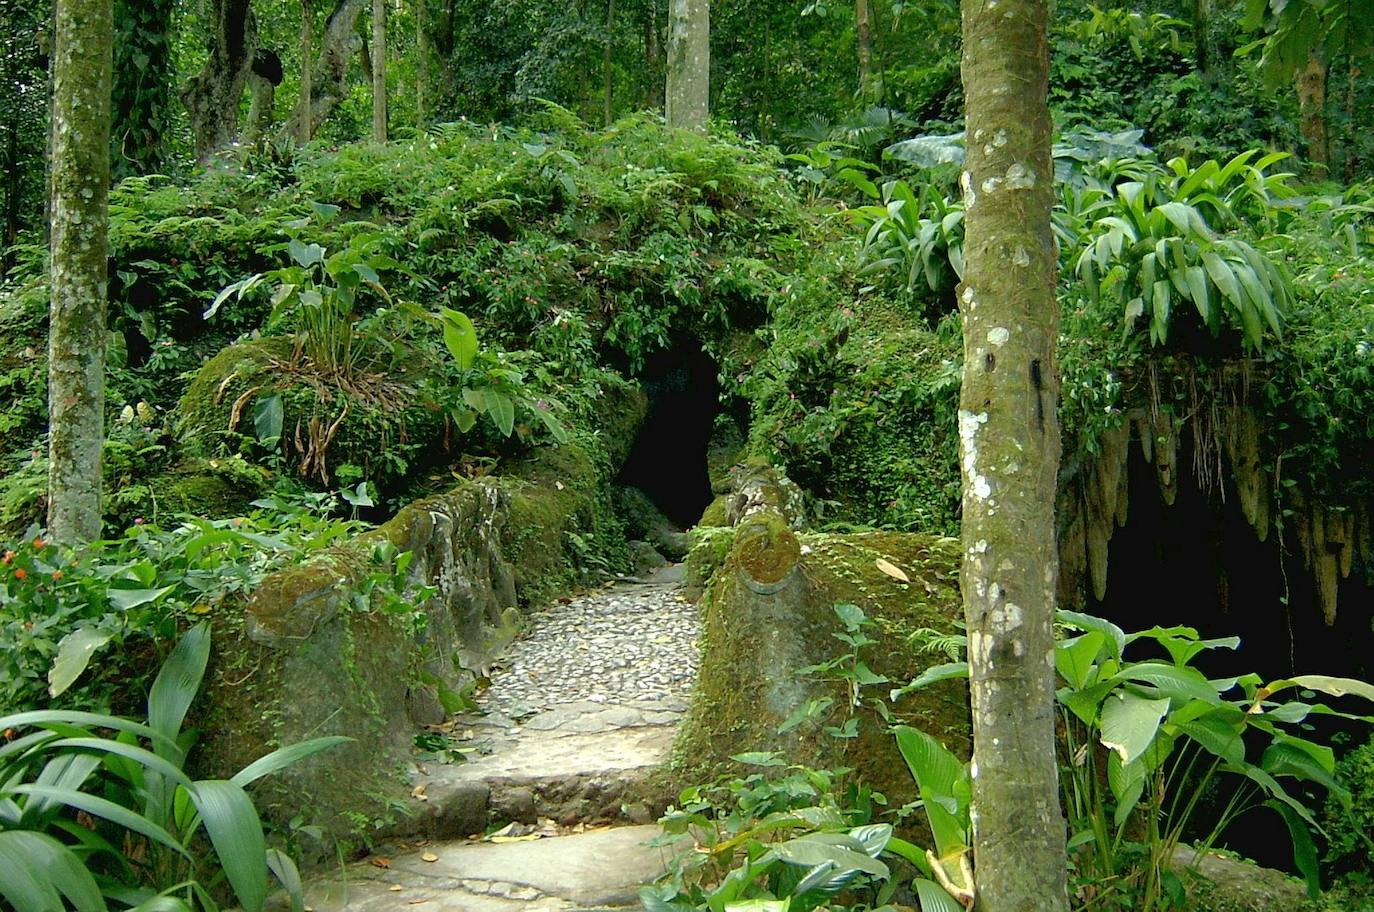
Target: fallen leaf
[[380, 862], [395, 888], [416, 902], [502, 839], [419, 792], [892, 570], [429, 856]]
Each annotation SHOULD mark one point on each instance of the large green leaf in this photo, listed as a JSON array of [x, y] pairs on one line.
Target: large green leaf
[[1336, 687], [284, 757], [106, 809], [837, 849], [236, 834], [35, 868], [1075, 658], [1304, 849], [934, 898], [125, 599], [177, 683], [73, 655], [1129, 723], [460, 337]]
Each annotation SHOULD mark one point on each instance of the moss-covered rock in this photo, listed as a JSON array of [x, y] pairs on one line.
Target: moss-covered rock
[[382, 428], [325, 647], [763, 621], [211, 488]]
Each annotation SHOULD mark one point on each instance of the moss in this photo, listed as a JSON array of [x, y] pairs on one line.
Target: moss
[[209, 488], [716, 513], [765, 548], [383, 429], [746, 663], [710, 546]]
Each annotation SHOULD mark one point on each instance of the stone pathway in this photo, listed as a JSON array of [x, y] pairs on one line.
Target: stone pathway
[[580, 711]]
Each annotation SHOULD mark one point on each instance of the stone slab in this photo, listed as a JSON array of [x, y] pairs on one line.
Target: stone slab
[[596, 869]]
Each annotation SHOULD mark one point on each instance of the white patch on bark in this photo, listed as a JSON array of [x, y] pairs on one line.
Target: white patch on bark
[[1020, 177], [969, 423], [1020, 257], [968, 294], [966, 182], [991, 184], [998, 335]]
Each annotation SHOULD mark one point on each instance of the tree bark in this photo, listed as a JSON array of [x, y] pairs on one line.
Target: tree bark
[[653, 57], [1009, 442], [607, 83], [340, 42], [80, 183], [1202, 49], [379, 70], [864, 29], [303, 120], [421, 67], [1311, 85], [687, 94], [262, 106], [212, 96]]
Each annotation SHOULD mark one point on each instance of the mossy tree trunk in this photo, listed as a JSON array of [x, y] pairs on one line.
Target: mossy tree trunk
[[379, 70], [687, 97], [339, 43], [1009, 442], [79, 185], [303, 121], [212, 96], [863, 24], [1311, 86], [421, 66]]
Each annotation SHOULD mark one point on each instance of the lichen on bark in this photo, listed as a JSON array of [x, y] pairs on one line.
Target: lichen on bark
[[79, 188]]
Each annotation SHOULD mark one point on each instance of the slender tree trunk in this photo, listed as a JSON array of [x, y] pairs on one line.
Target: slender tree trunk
[[1202, 47], [687, 96], [14, 189], [80, 184], [1009, 441], [421, 67], [864, 28], [303, 119], [339, 43], [608, 85], [653, 57], [262, 107], [379, 70], [1352, 129], [1311, 84], [212, 96]]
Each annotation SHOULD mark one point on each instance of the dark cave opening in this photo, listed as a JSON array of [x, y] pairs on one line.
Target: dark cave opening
[[1199, 563], [668, 461]]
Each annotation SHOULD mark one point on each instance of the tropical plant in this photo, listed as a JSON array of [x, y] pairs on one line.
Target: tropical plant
[[899, 238], [95, 818], [787, 839], [1144, 742], [1147, 34], [317, 293], [946, 790], [1155, 248]]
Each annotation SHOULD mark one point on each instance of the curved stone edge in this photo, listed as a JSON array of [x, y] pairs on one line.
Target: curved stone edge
[[308, 654]]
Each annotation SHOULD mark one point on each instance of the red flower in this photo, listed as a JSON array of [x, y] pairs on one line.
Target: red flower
[[20, 573], [57, 574], [39, 544]]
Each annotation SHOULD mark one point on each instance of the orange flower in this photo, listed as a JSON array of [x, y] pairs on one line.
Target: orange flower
[[20, 573], [57, 574], [39, 544]]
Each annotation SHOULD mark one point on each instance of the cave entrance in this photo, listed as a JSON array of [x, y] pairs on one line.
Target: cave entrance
[[1199, 563], [668, 461]]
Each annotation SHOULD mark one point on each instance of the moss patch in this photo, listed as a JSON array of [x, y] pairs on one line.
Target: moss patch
[[747, 665]]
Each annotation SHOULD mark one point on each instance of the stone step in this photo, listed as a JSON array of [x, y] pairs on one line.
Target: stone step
[[596, 869]]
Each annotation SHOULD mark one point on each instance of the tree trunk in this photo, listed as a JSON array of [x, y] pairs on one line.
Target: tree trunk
[[329, 85], [1311, 84], [864, 28], [608, 86], [653, 57], [212, 96], [379, 70], [1009, 442], [303, 120], [14, 189], [687, 95], [80, 184], [421, 67], [262, 106], [1202, 49]]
